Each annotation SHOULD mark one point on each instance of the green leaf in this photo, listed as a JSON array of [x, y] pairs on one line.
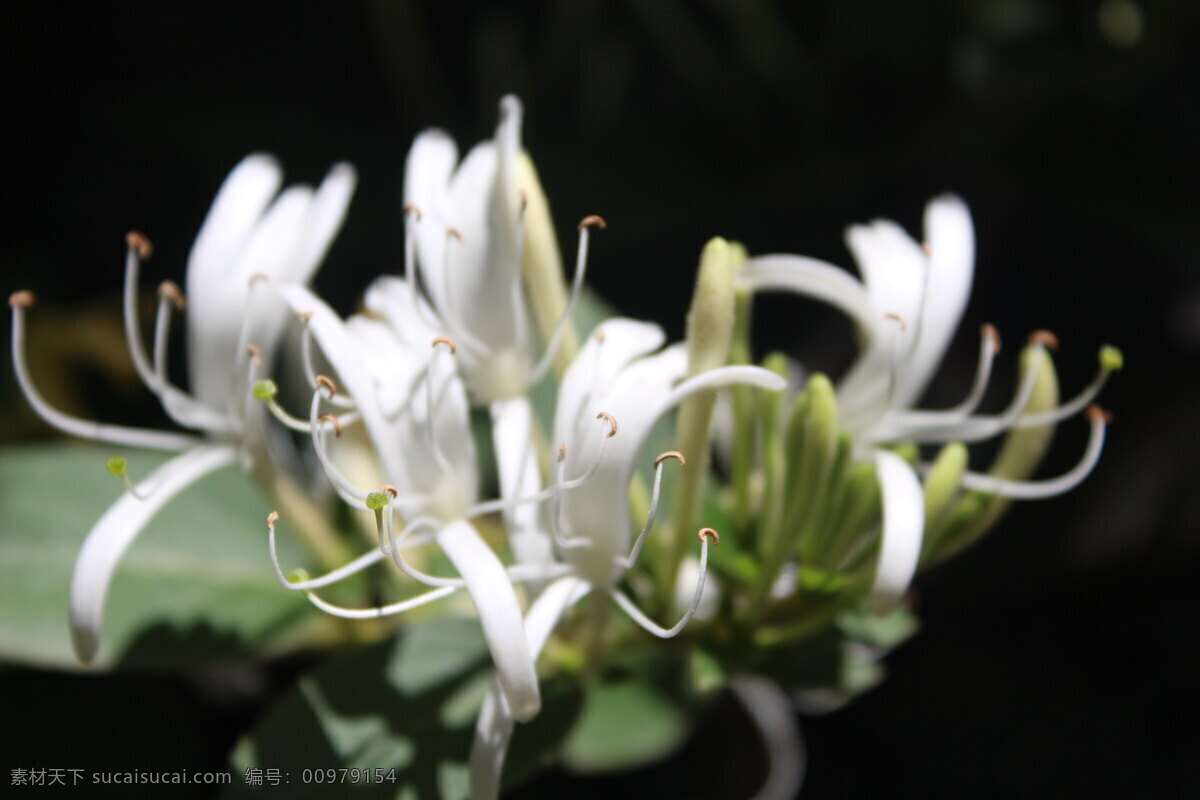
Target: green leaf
[[406, 705], [196, 584], [623, 725]]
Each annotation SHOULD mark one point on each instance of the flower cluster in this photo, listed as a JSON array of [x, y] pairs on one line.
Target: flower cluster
[[826, 503]]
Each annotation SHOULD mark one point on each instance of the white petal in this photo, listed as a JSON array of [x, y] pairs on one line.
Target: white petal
[[116, 530], [773, 714], [893, 267], [236, 210], [426, 185], [517, 464], [326, 214], [811, 278], [499, 614], [494, 729], [902, 529], [951, 239]]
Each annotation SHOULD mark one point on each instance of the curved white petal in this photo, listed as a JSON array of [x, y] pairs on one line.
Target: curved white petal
[[950, 236], [499, 615], [773, 714], [239, 204], [517, 464], [327, 212], [902, 528], [116, 530], [494, 728], [893, 267], [811, 278]]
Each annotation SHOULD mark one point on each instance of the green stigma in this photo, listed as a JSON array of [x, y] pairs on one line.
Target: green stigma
[[298, 576], [376, 500], [1111, 359], [264, 390], [116, 465]]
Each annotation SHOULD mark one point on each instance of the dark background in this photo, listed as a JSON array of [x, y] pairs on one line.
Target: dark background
[[1057, 657]]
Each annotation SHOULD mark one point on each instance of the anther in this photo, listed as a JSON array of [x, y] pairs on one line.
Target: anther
[[254, 353], [989, 332], [925, 248], [1095, 413], [412, 208], [1044, 338], [600, 335], [321, 380], [708, 532], [454, 233], [392, 490], [170, 291], [612, 423], [304, 316], [332, 420], [593, 221], [272, 518], [137, 241], [675, 454], [446, 340], [899, 320], [562, 451], [259, 277], [21, 299]]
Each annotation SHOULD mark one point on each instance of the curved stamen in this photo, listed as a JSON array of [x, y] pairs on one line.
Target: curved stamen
[[989, 347], [266, 390], [627, 562], [1037, 490], [74, 426], [137, 248], [581, 258], [1110, 361], [412, 215], [310, 371], [649, 625], [353, 567], [169, 297], [430, 404], [342, 485], [380, 611]]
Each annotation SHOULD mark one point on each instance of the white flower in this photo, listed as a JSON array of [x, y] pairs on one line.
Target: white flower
[[250, 236], [907, 308], [609, 399]]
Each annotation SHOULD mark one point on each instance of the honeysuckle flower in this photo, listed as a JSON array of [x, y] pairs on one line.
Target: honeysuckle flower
[[253, 235], [906, 308], [397, 377], [466, 235], [619, 381]]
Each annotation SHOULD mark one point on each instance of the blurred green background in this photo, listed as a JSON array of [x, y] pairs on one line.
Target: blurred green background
[[1057, 657]]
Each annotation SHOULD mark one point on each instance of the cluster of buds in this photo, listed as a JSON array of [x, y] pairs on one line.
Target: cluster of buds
[[828, 505]]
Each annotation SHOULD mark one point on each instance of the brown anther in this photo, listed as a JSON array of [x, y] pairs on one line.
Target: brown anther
[[272, 518], [446, 340], [562, 451], [137, 241], [1095, 413], [254, 353], [304, 316], [260, 277], [454, 233], [332, 420], [612, 423], [675, 454], [703, 532], [593, 221], [170, 291], [21, 299], [899, 320], [392, 490], [925, 248], [1044, 338], [412, 208], [321, 380], [989, 332], [600, 335]]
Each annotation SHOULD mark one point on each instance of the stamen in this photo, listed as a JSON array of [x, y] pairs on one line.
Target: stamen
[[447, 341], [304, 582], [117, 466], [74, 426], [170, 290], [612, 423], [1111, 361], [649, 625], [332, 420], [454, 233], [1045, 338], [412, 215], [552, 343], [562, 451], [905, 421], [899, 320], [627, 562], [254, 354], [352, 494], [324, 382], [1037, 490], [137, 242], [411, 209], [381, 611]]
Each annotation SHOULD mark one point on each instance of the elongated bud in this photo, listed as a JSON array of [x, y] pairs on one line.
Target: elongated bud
[[541, 265], [941, 486], [812, 446]]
